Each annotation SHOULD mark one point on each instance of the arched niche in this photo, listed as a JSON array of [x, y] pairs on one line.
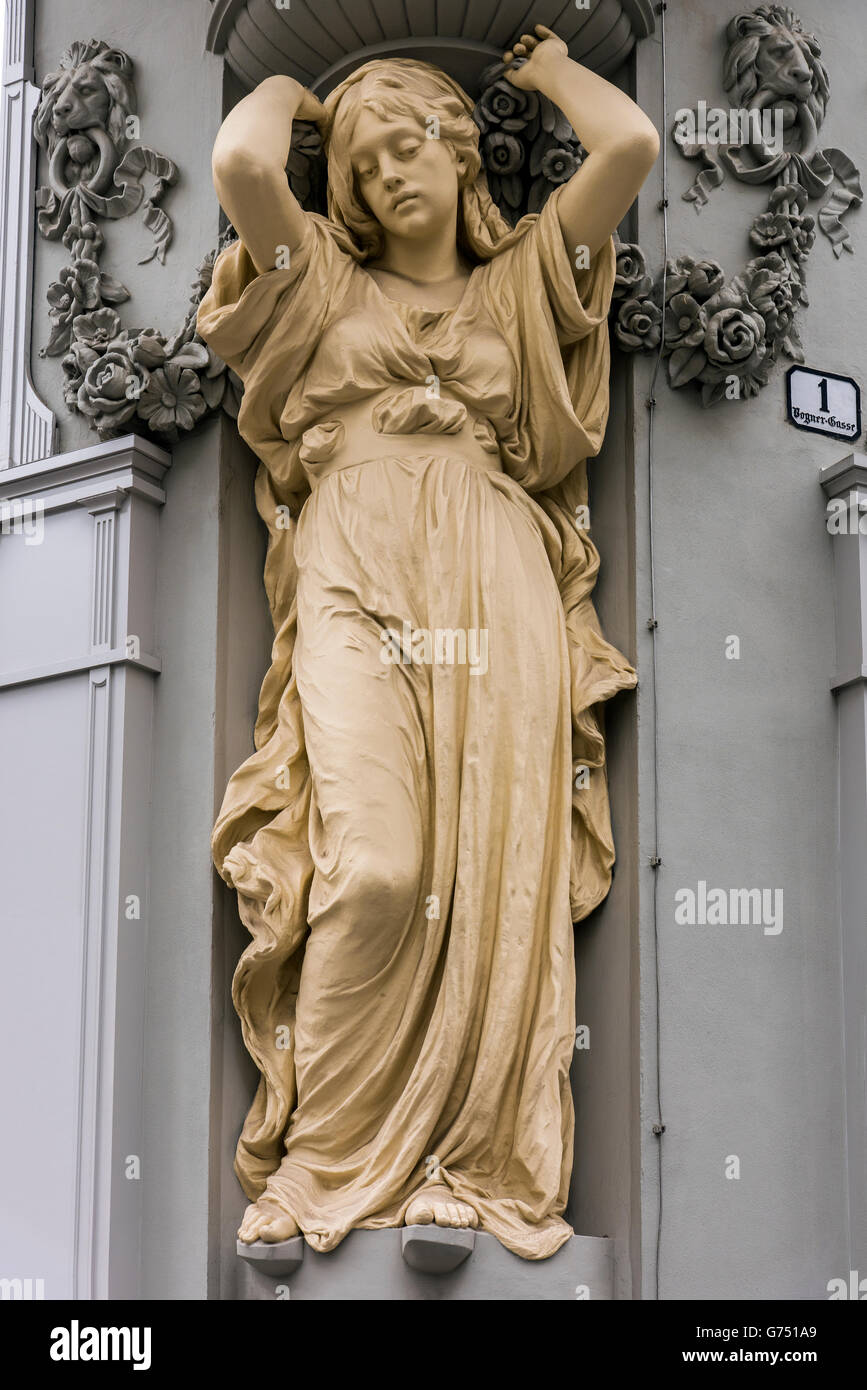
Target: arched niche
[[318, 43]]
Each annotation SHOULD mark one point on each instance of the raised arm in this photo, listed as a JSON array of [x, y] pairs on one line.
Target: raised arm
[[621, 143], [249, 167]]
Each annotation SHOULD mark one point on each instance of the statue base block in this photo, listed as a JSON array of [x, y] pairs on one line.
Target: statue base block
[[435, 1249], [424, 1262], [284, 1257]]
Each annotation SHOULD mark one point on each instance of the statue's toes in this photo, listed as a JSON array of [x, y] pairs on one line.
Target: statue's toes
[[276, 1228], [458, 1215], [418, 1214], [447, 1214], [248, 1231]]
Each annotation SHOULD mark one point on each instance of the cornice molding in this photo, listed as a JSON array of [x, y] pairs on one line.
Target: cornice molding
[[838, 479]]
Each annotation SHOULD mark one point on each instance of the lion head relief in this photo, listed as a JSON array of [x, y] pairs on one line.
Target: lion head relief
[[773, 61], [81, 122]]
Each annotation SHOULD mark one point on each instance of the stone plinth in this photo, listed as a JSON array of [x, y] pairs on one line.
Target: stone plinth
[[370, 1266]]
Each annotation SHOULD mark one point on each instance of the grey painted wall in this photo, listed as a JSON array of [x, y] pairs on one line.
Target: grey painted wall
[[179, 90], [245, 635], [605, 1182], [750, 1023], [36, 911], [76, 713], [178, 1005]]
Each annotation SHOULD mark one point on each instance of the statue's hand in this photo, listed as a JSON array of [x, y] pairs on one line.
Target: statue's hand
[[310, 108], [290, 94], [284, 94], [542, 51]]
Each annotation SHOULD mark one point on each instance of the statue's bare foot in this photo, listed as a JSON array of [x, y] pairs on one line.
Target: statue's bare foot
[[438, 1204], [263, 1222]]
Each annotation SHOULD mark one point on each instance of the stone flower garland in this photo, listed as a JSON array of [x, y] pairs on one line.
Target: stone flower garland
[[725, 337], [113, 375]]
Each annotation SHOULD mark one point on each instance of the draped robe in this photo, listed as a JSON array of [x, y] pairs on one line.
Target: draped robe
[[410, 842]]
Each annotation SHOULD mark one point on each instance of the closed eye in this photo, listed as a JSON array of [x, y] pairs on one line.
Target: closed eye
[[404, 153]]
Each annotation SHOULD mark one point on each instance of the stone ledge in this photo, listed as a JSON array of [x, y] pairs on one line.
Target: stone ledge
[[282, 1258], [436, 1249], [370, 1266]]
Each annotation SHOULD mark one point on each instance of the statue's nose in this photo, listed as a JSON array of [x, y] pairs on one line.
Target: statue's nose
[[63, 108]]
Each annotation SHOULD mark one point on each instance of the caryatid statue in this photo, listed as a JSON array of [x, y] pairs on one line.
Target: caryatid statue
[[426, 812]]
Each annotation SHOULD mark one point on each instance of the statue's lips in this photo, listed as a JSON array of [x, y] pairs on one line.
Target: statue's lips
[[402, 201]]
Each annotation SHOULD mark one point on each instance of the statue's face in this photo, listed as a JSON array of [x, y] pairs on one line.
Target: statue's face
[[410, 183]]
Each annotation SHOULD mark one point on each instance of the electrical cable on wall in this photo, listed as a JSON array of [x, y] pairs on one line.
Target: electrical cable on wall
[[653, 627]]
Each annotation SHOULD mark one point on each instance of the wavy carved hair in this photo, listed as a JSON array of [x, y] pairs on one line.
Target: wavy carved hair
[[397, 88]]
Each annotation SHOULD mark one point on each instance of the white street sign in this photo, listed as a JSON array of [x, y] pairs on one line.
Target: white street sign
[[824, 402]]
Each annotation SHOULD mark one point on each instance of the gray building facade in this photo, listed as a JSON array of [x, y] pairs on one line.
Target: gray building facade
[[721, 1121]]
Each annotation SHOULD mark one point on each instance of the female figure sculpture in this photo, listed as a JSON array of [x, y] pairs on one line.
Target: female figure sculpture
[[422, 386]]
